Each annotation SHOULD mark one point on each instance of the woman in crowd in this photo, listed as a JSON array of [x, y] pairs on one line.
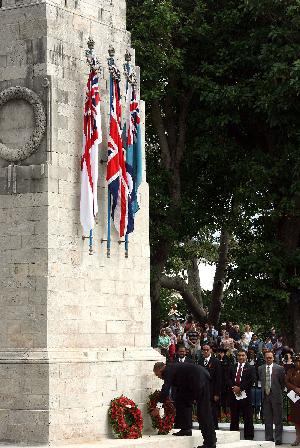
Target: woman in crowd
[[292, 380], [248, 333], [163, 342]]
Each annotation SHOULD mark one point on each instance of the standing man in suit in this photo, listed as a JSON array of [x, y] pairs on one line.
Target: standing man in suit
[[213, 366], [272, 378], [181, 355], [191, 383], [240, 381]]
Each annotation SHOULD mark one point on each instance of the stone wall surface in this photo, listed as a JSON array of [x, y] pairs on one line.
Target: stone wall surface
[[75, 328]]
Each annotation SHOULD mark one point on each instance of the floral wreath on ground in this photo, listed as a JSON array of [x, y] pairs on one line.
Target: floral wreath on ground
[[163, 424], [125, 418]]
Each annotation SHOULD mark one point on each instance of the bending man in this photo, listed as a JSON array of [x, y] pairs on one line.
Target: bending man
[[188, 383]]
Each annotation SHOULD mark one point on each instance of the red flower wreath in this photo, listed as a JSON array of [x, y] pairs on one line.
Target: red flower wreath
[[164, 424], [125, 418]]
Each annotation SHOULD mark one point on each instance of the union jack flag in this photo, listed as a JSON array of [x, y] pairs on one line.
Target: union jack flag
[[116, 175], [92, 137]]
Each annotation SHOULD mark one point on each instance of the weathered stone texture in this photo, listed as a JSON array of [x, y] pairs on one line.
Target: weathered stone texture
[[75, 328]]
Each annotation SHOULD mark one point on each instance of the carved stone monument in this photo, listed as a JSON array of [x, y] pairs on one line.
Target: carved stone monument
[[75, 328]]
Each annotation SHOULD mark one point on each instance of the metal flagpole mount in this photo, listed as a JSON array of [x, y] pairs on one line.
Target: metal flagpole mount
[[90, 238], [113, 70], [91, 58], [129, 72]]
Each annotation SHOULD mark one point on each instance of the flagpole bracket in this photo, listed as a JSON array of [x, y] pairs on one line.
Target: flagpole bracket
[[91, 58], [113, 70], [129, 72], [91, 252]]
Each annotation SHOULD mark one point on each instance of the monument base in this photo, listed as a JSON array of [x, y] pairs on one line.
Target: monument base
[[226, 439], [58, 397]]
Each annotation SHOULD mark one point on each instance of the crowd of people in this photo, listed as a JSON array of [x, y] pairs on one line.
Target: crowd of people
[[248, 372]]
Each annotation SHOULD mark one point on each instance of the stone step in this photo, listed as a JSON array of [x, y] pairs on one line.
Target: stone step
[[226, 439]]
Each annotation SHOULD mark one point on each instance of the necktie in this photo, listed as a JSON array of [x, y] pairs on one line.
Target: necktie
[[268, 381], [238, 375], [205, 362]]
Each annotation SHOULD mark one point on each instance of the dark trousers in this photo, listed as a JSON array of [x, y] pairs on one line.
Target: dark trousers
[[243, 408], [205, 419], [215, 412], [183, 418], [272, 414]]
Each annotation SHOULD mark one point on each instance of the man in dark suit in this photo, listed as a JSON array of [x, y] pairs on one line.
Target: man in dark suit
[[240, 381], [272, 377], [181, 355], [213, 366], [191, 383]]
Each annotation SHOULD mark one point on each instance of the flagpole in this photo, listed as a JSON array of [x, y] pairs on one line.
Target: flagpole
[[130, 79], [127, 68], [114, 75], [94, 65]]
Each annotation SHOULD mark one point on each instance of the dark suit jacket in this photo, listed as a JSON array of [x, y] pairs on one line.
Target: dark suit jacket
[[277, 381], [186, 380], [187, 359], [215, 371], [247, 380]]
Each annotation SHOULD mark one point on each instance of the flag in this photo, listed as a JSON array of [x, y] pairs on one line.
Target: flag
[[116, 170], [92, 137], [133, 145]]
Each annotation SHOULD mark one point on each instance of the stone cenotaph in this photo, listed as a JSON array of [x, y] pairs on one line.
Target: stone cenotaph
[[75, 328]]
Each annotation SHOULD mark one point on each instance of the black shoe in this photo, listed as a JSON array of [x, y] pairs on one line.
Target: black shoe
[[278, 443], [204, 446], [183, 432]]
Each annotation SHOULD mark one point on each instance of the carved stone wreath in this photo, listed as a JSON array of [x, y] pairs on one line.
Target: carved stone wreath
[[31, 145]]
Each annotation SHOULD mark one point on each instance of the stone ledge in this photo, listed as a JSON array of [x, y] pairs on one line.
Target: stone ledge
[[44, 356]]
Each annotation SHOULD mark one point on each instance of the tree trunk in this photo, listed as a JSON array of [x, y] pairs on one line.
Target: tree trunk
[[159, 257], [219, 279], [155, 310], [289, 235], [194, 281], [178, 284]]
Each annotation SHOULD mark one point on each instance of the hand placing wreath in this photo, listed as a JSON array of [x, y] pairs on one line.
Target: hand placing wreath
[[162, 422]]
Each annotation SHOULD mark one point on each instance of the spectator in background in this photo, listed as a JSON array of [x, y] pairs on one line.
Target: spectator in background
[[287, 359], [225, 364], [212, 334], [268, 343], [254, 343], [292, 381], [244, 342], [277, 349], [248, 333], [236, 334], [181, 355], [240, 381], [204, 339], [273, 335], [173, 342], [271, 376], [226, 341], [163, 342], [192, 337]]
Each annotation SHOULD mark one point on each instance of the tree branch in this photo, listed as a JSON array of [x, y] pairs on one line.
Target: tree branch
[[219, 279], [178, 284]]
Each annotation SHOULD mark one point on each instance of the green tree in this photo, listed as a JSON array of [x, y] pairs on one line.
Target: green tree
[[222, 81]]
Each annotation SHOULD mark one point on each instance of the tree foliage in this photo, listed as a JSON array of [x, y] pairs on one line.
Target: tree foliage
[[222, 82]]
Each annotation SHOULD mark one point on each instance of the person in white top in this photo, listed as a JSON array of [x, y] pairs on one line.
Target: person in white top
[[248, 333]]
